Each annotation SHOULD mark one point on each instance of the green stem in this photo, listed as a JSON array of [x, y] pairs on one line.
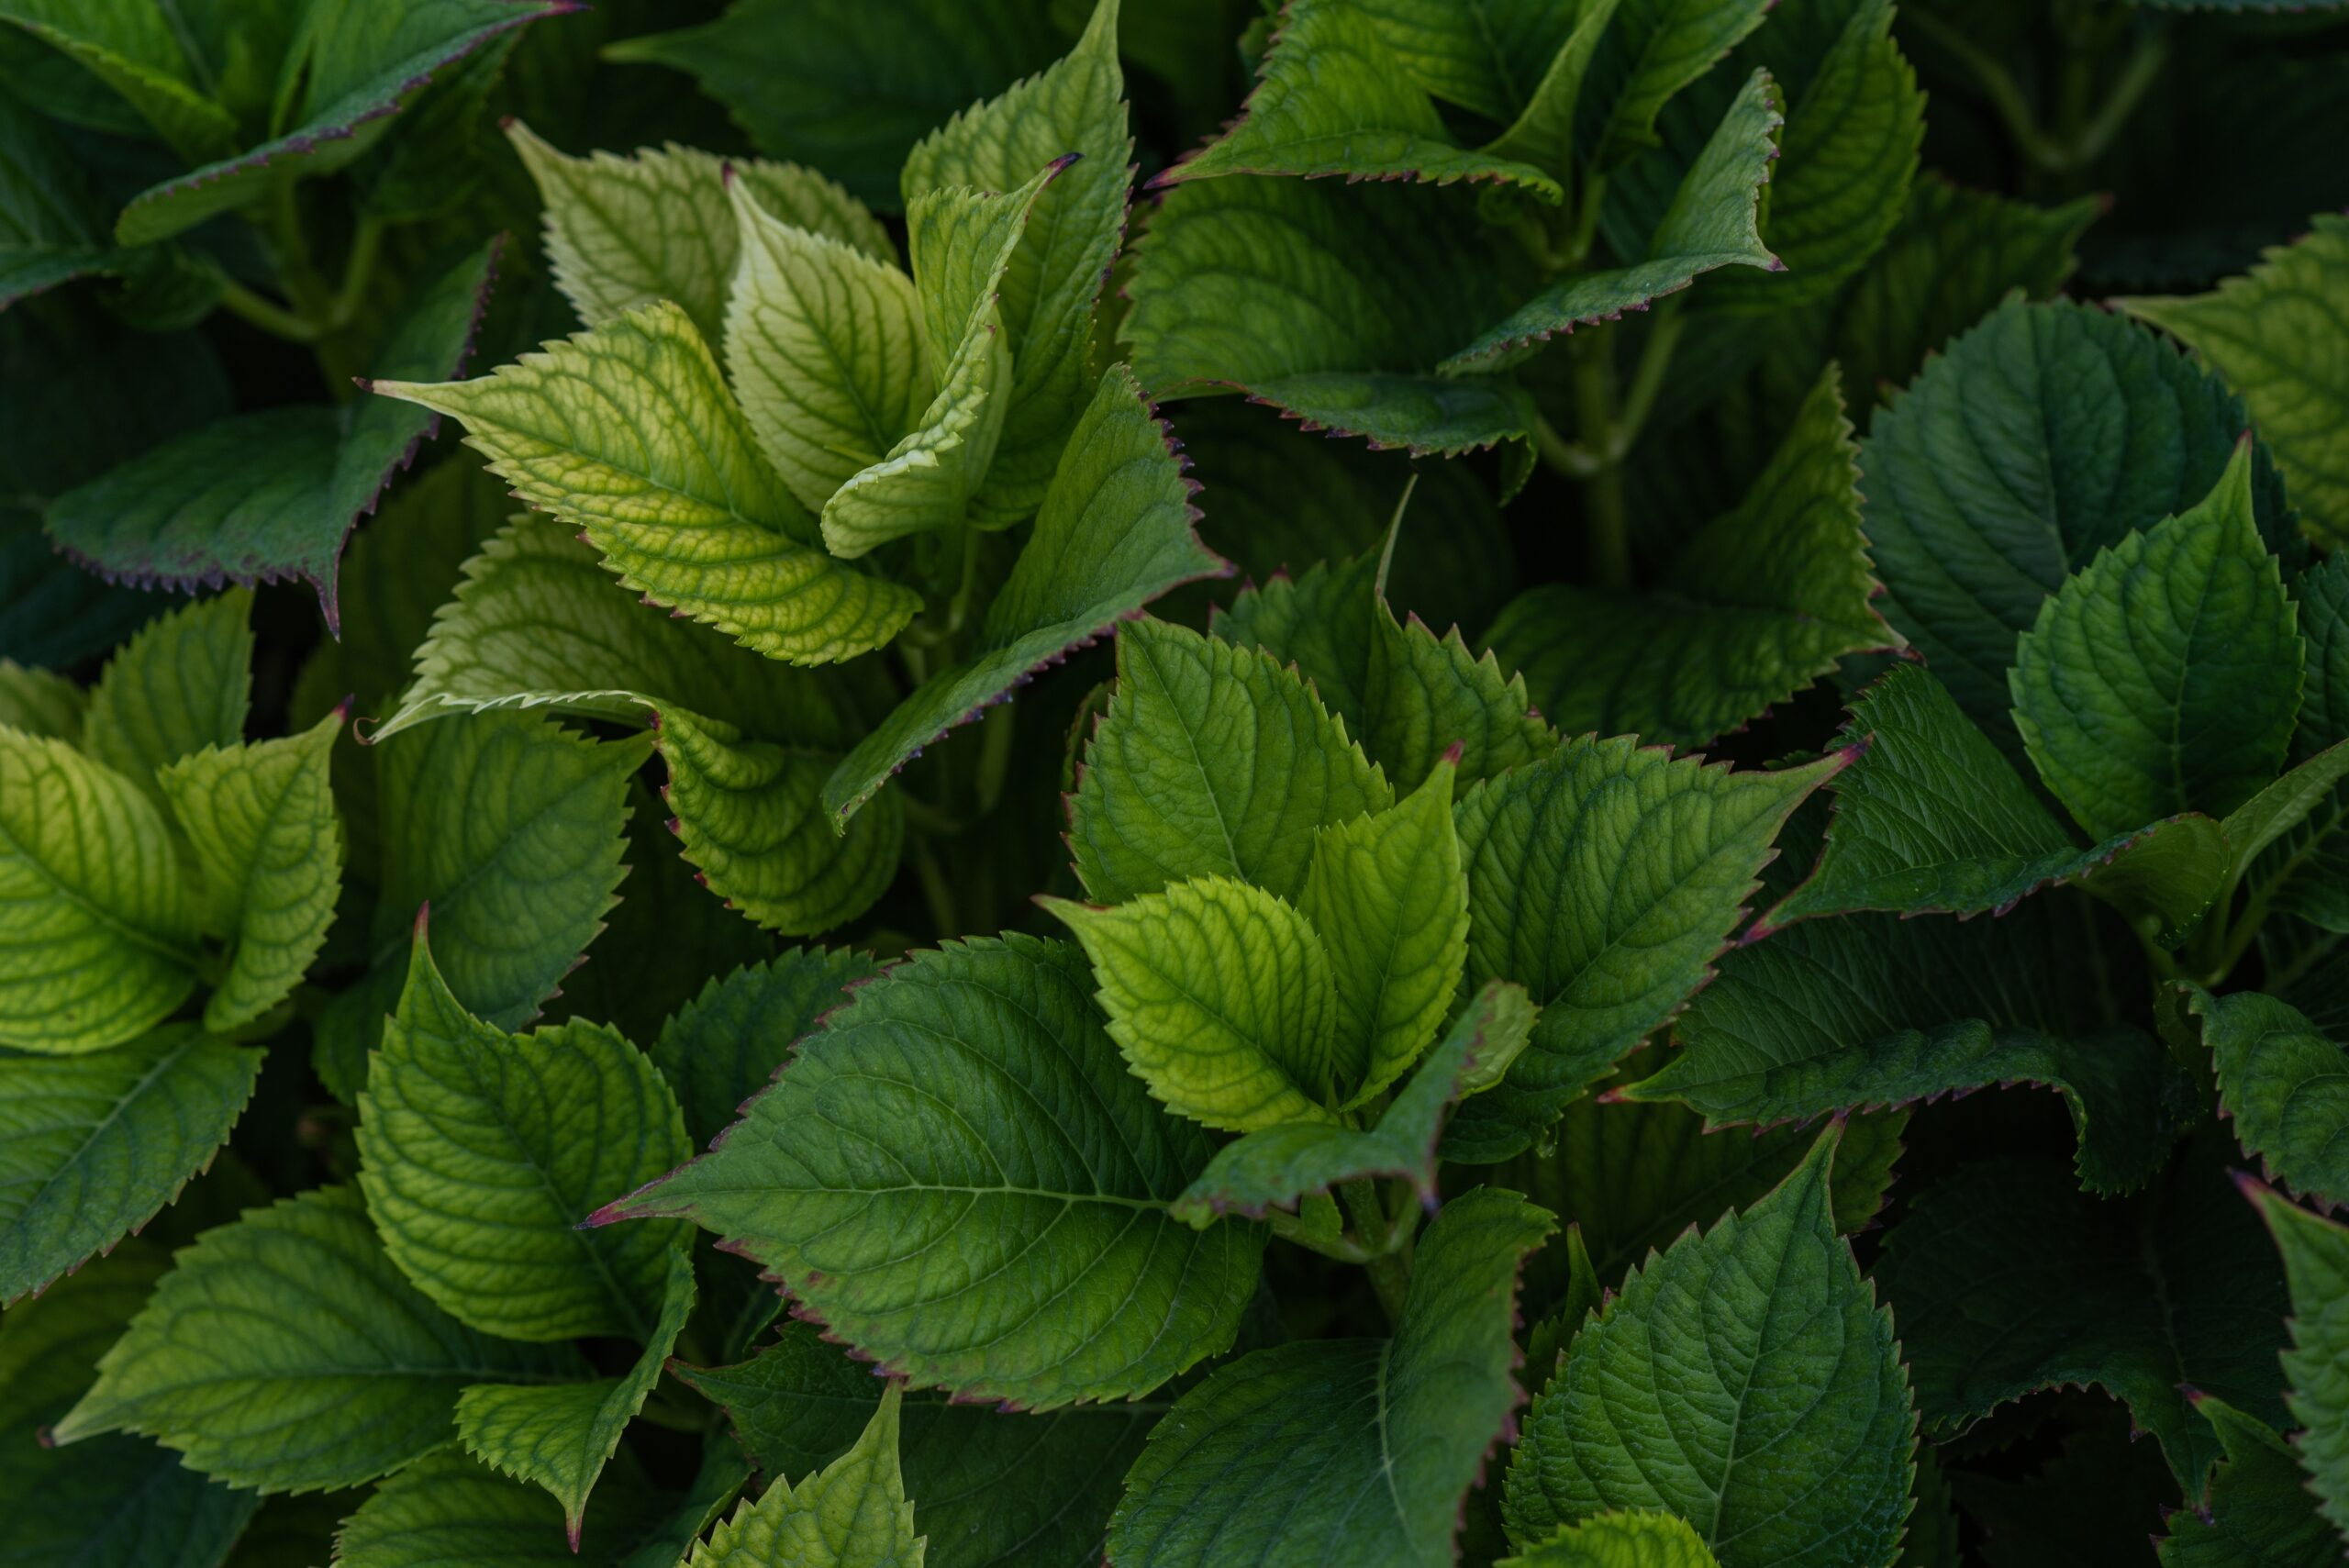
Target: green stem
[[1388, 1265], [274, 319], [2137, 79], [366, 244], [936, 891], [1564, 456], [996, 731], [1603, 511], [1290, 1227], [1655, 359], [1995, 82]]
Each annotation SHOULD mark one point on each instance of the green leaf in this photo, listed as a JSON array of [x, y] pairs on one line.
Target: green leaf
[[2265, 331], [1115, 531], [92, 1147], [49, 224], [1377, 283], [354, 65], [2286, 1086], [446, 1510], [1212, 761], [101, 930], [2316, 1266], [2258, 1511], [262, 822], [1542, 132], [561, 1437], [1632, 1540], [1871, 1011], [622, 232], [1055, 279], [2044, 434], [825, 342], [133, 49], [994, 1490], [183, 684], [964, 1111], [753, 821], [1331, 98], [1710, 223], [475, 1179], [2165, 675], [1605, 879], [1762, 601], [848, 88], [1222, 998], [1786, 1435], [2305, 870], [851, 1514], [1279, 1166], [725, 1045], [284, 1352], [1359, 1452], [2006, 1280], [1424, 696], [1657, 48], [684, 510], [1486, 56], [275, 493], [1386, 895], [40, 701], [510, 829]]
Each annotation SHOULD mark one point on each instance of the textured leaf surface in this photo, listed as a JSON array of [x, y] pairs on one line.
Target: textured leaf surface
[[851, 1514], [1605, 879], [446, 1510], [2316, 1266], [93, 1146], [475, 1176], [1761, 602], [628, 432], [275, 493], [622, 232], [1115, 531], [960, 1176], [1212, 761], [286, 1352], [40, 701], [97, 924], [1785, 1432], [183, 684], [1346, 1451], [2274, 334], [131, 50], [2286, 1086], [2006, 1280], [2165, 675], [2258, 1511], [1278, 1166], [1221, 997], [1657, 48], [2044, 434], [262, 822], [725, 1045], [1631, 1539]]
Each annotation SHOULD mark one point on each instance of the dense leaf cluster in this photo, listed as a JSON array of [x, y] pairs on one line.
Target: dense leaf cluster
[[1651, 869]]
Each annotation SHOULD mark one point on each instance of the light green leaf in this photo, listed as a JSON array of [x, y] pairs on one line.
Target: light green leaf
[[1358, 1452], [2006, 1280], [959, 1176], [1636, 1539], [1115, 531], [2290, 801], [1746, 1381], [725, 1045], [851, 1514], [99, 941], [92, 1147], [1657, 48], [622, 232], [1331, 98], [130, 46], [1605, 879], [2270, 333], [38, 702], [1423, 695], [2165, 675], [1220, 996], [825, 343], [628, 432], [1212, 761], [962, 243], [1313, 620], [561, 1436], [1054, 281], [284, 1352], [2044, 434], [2285, 1085], [183, 684], [1387, 897], [1374, 284], [2258, 1511], [1762, 601], [1710, 223], [2316, 1266], [475, 1176], [1279, 1166], [752, 818], [262, 820], [511, 829], [446, 1510]]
